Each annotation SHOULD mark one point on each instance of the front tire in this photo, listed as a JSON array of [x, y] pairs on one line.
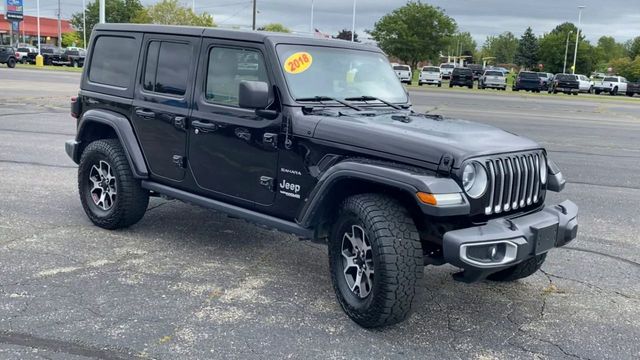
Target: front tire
[[521, 270], [111, 197], [375, 257], [11, 63]]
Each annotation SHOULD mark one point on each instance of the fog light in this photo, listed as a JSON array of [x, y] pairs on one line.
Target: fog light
[[489, 254]]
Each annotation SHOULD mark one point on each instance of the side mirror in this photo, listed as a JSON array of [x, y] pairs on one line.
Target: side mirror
[[253, 94]]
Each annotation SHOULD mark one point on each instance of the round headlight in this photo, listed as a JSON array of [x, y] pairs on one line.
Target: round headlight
[[543, 169], [474, 180]]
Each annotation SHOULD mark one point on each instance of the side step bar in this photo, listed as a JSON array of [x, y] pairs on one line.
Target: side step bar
[[232, 210]]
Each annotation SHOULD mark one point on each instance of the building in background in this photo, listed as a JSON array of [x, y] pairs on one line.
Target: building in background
[[27, 31]]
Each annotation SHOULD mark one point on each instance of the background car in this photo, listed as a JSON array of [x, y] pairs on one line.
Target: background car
[[612, 85], [477, 69], [492, 79], [528, 81], [8, 56], [446, 69], [461, 76], [633, 88], [585, 84], [430, 75], [547, 80], [22, 53], [566, 83], [404, 73]]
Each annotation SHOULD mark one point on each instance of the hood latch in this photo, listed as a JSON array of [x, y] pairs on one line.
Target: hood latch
[[446, 164]]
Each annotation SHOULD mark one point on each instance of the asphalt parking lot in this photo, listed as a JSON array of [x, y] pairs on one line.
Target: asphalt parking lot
[[190, 283]]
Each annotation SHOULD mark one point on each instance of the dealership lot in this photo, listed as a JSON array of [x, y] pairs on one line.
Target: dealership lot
[[190, 283]]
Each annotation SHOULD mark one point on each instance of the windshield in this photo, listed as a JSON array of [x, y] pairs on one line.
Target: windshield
[[494, 73], [312, 71]]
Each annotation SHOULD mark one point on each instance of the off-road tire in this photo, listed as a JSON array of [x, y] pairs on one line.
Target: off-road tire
[[598, 92], [439, 84], [11, 63], [521, 270], [131, 199], [614, 92], [396, 254]]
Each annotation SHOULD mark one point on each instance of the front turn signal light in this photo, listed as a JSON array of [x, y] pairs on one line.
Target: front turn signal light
[[440, 199]]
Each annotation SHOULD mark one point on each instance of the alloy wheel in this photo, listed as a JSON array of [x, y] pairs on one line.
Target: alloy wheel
[[357, 261], [103, 185]]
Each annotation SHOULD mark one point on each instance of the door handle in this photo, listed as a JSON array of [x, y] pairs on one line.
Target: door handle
[[145, 114], [203, 126]]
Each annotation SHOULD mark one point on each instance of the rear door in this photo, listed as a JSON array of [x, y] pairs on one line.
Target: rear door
[[233, 152], [162, 100]]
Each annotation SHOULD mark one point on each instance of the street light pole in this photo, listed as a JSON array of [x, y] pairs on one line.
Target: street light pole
[[353, 23], [102, 16], [38, 16], [311, 28], [254, 15], [566, 51], [84, 24], [575, 53]]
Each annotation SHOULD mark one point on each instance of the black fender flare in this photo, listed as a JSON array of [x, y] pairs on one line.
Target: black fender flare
[[389, 175], [123, 129]]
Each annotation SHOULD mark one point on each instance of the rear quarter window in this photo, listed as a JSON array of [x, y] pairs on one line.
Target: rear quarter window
[[113, 61]]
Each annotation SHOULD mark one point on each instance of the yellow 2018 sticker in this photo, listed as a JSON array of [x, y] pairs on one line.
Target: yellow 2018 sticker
[[298, 62]]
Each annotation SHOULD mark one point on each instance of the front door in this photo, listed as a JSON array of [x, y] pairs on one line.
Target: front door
[[162, 102], [232, 151]]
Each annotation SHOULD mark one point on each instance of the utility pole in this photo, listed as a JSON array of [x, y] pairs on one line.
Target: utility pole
[[311, 27], [353, 23], [84, 24], [59, 27], [102, 20], [193, 6], [566, 51], [38, 16], [254, 15], [575, 53]]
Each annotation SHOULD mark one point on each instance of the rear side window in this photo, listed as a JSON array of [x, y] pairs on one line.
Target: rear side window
[[227, 68], [167, 67], [113, 61]]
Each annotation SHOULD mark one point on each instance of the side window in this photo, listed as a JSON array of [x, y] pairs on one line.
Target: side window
[[167, 68], [227, 68], [113, 61]]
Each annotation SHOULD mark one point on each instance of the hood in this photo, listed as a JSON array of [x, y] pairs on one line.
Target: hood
[[420, 137]]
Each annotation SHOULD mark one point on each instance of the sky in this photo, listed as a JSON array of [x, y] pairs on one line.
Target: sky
[[617, 18]]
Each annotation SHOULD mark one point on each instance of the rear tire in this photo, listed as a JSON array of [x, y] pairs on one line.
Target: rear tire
[[614, 92], [111, 197], [11, 63], [521, 270], [597, 92], [375, 258]]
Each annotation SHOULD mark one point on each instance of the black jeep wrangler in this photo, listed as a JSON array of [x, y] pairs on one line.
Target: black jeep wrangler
[[8, 56], [316, 138]]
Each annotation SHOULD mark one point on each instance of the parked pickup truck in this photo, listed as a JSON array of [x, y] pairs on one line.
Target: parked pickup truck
[[566, 83], [612, 85], [50, 56], [70, 57], [633, 88]]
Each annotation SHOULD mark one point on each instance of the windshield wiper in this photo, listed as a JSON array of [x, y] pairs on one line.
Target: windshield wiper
[[320, 99], [372, 98]]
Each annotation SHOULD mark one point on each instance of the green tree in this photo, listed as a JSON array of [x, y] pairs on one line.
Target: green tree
[[345, 34], [274, 27], [462, 44], [414, 32], [116, 11], [503, 47], [552, 50], [608, 49], [633, 47], [72, 39], [172, 12], [527, 52], [626, 67]]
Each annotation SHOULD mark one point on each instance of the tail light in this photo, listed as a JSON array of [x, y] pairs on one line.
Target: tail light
[[75, 107]]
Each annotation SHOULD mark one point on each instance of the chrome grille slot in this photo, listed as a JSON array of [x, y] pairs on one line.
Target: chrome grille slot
[[514, 182]]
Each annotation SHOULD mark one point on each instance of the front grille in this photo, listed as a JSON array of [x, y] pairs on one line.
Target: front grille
[[514, 182]]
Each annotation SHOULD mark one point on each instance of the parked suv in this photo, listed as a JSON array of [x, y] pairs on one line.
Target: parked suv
[[314, 137], [430, 75], [461, 76], [547, 80], [22, 53], [404, 73], [8, 56]]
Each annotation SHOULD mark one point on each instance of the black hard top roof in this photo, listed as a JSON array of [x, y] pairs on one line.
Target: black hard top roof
[[241, 35]]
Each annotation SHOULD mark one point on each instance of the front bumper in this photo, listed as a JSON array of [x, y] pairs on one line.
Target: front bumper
[[519, 238]]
